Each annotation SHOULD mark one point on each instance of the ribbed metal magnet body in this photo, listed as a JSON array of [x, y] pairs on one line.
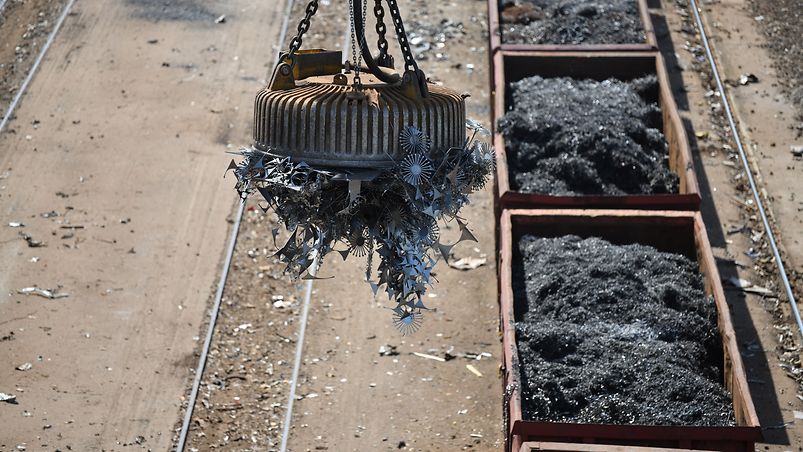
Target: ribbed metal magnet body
[[323, 123]]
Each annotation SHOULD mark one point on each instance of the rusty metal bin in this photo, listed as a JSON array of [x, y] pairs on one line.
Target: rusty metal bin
[[569, 447], [514, 66], [496, 44], [670, 231]]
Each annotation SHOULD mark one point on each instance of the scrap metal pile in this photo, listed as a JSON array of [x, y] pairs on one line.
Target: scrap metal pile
[[568, 136], [616, 334], [571, 22], [366, 168]]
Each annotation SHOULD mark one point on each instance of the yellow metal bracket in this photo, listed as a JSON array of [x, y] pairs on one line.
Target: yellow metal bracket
[[304, 64]]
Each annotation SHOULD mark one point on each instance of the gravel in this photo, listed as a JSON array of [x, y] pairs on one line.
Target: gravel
[[782, 22], [571, 22], [243, 393], [585, 137], [616, 335], [24, 28]]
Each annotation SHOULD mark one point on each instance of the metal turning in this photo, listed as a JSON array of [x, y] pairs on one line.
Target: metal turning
[[324, 122]]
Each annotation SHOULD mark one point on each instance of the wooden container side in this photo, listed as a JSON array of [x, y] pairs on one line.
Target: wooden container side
[[671, 231], [511, 67]]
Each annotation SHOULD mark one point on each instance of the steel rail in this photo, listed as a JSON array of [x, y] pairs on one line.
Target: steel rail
[[213, 315], [199, 371], [302, 329], [746, 164], [37, 62]]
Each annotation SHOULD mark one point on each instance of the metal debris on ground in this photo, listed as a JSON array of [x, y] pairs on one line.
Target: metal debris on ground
[[46, 293], [388, 350], [8, 398], [748, 286], [473, 370], [746, 79], [428, 40], [468, 263], [432, 357], [474, 356], [32, 242], [736, 229], [24, 366]]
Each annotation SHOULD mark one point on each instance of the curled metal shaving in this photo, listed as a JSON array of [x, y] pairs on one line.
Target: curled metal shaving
[[393, 213]]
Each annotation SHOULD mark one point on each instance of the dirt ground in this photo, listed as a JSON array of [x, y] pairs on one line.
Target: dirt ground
[[114, 161], [781, 22]]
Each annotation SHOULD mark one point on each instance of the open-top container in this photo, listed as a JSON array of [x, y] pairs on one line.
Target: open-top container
[[669, 231], [511, 67], [539, 446], [496, 43]]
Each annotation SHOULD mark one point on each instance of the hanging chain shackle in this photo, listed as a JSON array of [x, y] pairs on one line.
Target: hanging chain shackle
[[362, 43], [356, 56], [413, 77], [401, 35], [383, 59], [303, 27]]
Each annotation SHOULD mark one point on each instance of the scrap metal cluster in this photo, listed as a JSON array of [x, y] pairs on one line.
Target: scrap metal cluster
[[392, 212]]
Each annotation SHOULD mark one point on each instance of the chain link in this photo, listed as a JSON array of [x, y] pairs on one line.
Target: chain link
[[353, 34], [409, 61], [381, 31], [356, 56], [303, 27]]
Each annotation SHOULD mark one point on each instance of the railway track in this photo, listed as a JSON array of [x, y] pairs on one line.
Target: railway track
[[216, 304], [308, 287], [35, 66], [214, 312], [737, 136]]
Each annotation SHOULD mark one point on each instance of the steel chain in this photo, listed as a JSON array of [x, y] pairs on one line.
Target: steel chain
[[303, 27], [409, 61], [356, 56], [353, 34], [381, 30]]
